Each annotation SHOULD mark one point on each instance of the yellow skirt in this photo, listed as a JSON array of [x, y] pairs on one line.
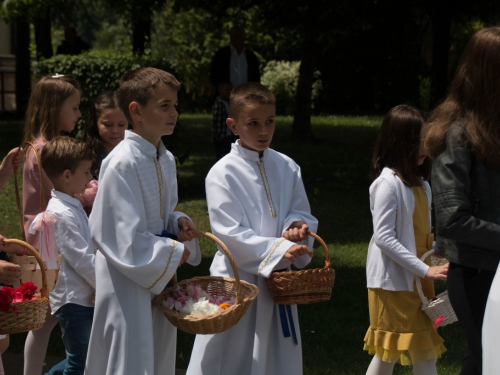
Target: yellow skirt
[[399, 330]]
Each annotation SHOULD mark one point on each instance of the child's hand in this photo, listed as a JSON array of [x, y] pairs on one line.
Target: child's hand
[[10, 273], [296, 251], [185, 257], [187, 230], [14, 159], [437, 273], [12, 248], [297, 231]]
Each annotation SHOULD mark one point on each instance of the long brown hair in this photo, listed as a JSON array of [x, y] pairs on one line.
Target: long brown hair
[[91, 136], [398, 146], [474, 98], [44, 107]]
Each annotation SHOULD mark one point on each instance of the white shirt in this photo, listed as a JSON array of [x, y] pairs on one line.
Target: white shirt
[[76, 281], [392, 260], [238, 67], [129, 336], [240, 216]]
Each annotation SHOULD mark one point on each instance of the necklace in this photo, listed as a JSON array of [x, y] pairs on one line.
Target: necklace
[[270, 202], [159, 176]]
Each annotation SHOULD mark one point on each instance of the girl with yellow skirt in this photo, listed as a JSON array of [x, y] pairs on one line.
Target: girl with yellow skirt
[[400, 202]]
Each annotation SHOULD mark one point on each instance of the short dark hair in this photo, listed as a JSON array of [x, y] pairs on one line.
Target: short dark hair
[[398, 146], [139, 85], [63, 153], [249, 93]]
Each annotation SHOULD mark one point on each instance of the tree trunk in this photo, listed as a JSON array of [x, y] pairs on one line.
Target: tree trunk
[[141, 33], [301, 128], [23, 66], [43, 36], [441, 23]]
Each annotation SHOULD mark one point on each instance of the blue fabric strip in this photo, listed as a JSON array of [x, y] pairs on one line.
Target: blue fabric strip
[[284, 321], [292, 326], [286, 318]]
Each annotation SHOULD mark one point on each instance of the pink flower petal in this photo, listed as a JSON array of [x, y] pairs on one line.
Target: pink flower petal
[[438, 321]]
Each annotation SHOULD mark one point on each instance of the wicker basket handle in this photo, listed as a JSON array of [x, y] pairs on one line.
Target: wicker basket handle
[[239, 296], [43, 291], [424, 299], [18, 198], [323, 244]]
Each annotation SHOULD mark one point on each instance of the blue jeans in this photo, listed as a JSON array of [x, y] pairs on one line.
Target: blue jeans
[[76, 323]]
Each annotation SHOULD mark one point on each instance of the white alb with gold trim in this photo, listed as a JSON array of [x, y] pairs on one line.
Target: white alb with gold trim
[[251, 202], [129, 336]]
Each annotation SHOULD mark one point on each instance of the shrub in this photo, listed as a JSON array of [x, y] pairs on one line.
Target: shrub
[[281, 77]]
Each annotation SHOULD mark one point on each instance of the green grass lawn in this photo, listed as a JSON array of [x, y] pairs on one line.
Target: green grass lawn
[[335, 170]]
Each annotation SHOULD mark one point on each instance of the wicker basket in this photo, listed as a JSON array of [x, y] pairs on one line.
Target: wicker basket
[[30, 315], [304, 286], [440, 306], [244, 293], [28, 263]]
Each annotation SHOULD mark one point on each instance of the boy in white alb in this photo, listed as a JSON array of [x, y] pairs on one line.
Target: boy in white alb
[[67, 163], [133, 207], [258, 207]]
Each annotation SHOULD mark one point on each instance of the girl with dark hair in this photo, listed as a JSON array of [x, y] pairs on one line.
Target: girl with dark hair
[[463, 137], [105, 128], [400, 201]]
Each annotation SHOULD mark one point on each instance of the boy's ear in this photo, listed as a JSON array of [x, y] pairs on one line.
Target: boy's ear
[[65, 175], [232, 125], [135, 111]]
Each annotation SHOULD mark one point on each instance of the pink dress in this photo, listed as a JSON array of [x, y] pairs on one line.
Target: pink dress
[[31, 190]]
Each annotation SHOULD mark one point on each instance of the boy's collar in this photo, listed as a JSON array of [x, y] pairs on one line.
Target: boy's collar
[[144, 145], [65, 197], [247, 154]]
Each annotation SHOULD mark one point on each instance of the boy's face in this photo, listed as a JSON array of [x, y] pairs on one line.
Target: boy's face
[[255, 126], [158, 117], [76, 183]]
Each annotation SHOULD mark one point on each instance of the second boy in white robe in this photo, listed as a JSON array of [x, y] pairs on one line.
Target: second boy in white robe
[[244, 192]]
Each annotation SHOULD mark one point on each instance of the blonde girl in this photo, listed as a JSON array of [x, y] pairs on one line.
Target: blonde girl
[[400, 201], [53, 108], [105, 128]]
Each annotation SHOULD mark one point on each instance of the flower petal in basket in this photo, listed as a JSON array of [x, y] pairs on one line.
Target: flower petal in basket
[[304, 286], [243, 292], [30, 315]]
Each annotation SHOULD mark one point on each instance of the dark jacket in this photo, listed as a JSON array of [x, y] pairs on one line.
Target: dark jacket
[[467, 205], [219, 71]]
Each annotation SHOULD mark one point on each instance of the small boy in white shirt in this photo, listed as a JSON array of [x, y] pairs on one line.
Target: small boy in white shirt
[[67, 163]]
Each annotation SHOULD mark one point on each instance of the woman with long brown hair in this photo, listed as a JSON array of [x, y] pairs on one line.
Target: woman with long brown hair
[[463, 138]]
